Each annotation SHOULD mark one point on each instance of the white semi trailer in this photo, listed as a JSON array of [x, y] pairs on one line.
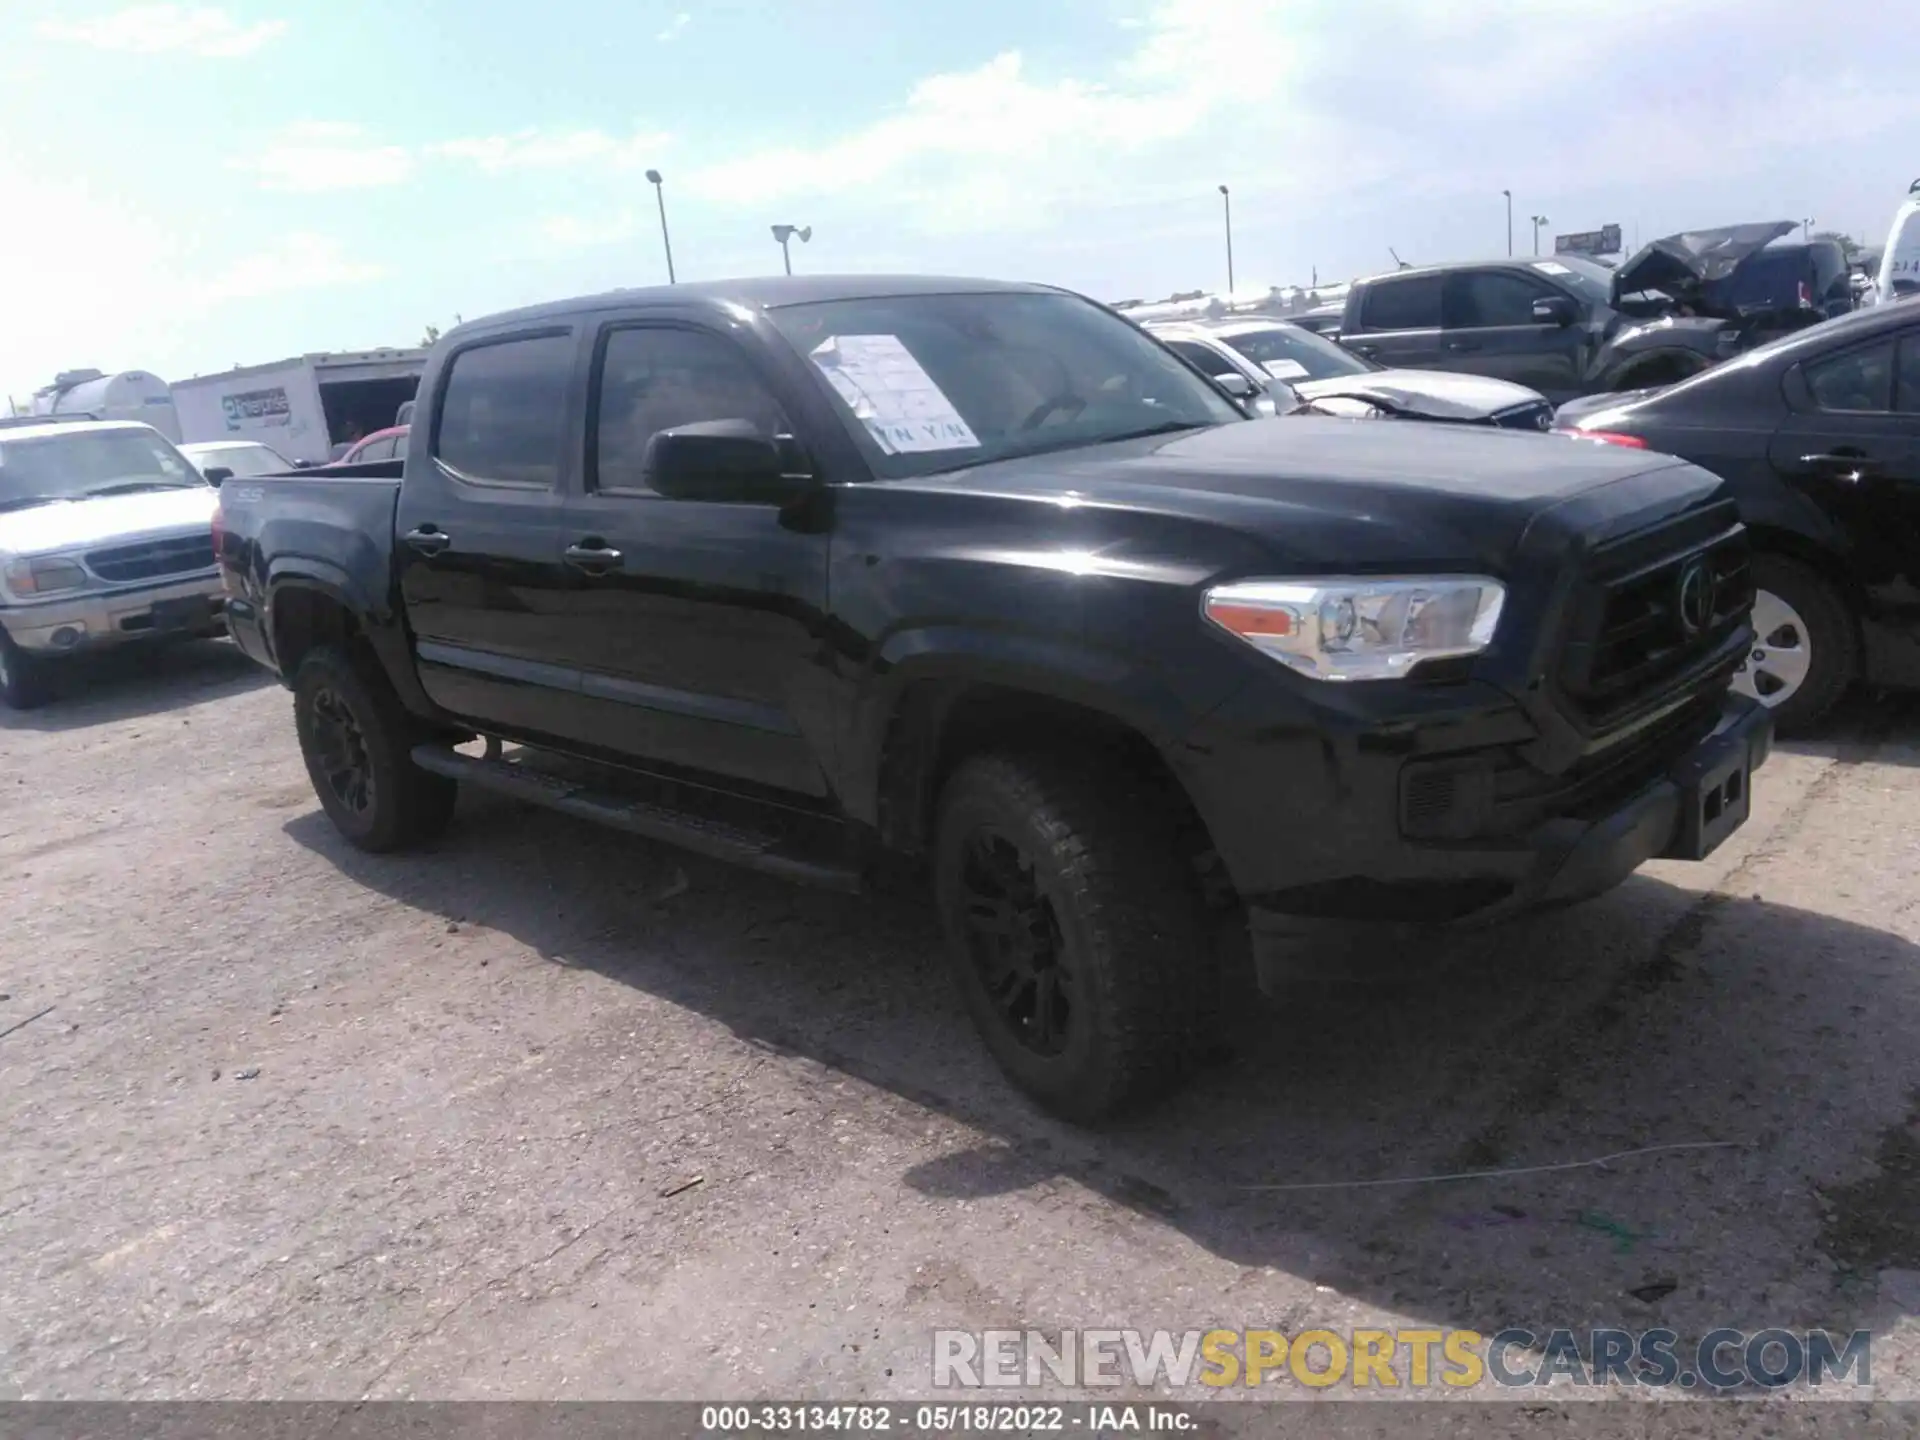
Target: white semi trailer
[[308, 408]]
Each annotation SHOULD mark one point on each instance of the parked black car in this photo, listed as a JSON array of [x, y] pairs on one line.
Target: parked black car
[[1818, 437], [810, 573], [1568, 326]]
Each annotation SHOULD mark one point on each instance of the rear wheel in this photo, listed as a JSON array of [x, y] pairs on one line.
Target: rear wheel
[[23, 680], [1805, 651], [1075, 930], [357, 741]]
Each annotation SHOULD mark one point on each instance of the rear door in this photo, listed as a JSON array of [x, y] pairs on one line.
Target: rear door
[[1489, 329], [1851, 441], [478, 542], [696, 626], [1400, 317]]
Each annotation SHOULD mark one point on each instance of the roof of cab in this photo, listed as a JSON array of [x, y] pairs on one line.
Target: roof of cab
[[771, 292]]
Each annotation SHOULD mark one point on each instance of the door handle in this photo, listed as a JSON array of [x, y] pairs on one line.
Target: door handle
[[593, 557], [1461, 347], [1368, 350], [1838, 465], [428, 540]]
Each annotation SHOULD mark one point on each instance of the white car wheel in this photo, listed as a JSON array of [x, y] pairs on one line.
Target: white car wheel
[[1782, 654]]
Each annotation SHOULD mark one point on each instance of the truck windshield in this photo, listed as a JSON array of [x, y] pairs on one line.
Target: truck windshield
[[938, 382], [89, 462]]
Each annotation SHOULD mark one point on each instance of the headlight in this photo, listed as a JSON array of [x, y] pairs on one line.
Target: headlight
[[1360, 628], [43, 577]]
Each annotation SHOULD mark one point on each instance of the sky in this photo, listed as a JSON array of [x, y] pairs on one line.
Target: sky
[[188, 187]]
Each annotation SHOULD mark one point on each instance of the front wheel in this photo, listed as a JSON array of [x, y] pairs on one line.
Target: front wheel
[[357, 741], [1805, 651], [23, 680], [1076, 933]]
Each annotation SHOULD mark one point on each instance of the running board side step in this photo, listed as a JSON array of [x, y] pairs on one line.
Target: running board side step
[[716, 840]]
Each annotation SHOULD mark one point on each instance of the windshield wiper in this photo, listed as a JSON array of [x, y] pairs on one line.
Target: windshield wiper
[[27, 502], [1165, 427], [133, 487]]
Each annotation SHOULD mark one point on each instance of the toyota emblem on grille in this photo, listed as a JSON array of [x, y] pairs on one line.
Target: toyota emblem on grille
[[1696, 597]]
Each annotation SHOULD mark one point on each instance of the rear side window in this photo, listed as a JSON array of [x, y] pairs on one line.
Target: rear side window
[[1410, 304], [1860, 381], [503, 411], [1199, 355]]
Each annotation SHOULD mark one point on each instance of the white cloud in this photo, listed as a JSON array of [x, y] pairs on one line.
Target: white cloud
[[316, 156], [300, 261], [156, 29], [674, 27], [538, 149]]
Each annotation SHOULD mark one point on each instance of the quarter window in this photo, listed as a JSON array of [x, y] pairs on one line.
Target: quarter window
[[503, 412]]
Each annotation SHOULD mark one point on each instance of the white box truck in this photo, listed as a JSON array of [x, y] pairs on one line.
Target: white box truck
[[309, 408]]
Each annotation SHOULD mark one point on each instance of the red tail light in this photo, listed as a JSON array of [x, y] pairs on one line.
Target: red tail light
[[1609, 437]]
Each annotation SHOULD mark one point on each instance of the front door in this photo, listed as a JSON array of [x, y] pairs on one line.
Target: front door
[[1490, 330], [477, 542], [697, 627]]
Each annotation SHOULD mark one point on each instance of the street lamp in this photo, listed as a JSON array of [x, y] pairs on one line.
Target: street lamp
[[784, 233], [1509, 195], [1538, 222], [1806, 229], [1226, 200], [660, 194]]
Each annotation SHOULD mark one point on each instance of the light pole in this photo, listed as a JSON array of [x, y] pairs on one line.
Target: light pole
[[1806, 229], [1538, 221], [1226, 199], [1509, 195], [660, 194], [784, 233]]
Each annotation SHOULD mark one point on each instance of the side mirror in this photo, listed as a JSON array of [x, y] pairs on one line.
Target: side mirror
[[1555, 310], [1235, 384], [720, 460], [303, 464], [214, 474]]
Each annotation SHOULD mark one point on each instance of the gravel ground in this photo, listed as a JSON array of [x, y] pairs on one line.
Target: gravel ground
[[549, 1112]]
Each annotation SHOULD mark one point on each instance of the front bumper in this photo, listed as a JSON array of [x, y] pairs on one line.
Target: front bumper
[[1342, 853], [92, 620]]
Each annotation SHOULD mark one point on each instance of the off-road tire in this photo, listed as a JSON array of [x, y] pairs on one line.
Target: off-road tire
[[23, 679], [1109, 859], [404, 805], [1831, 634]]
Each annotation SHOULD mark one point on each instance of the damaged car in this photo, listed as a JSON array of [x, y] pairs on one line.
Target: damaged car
[[1285, 369], [1569, 327]]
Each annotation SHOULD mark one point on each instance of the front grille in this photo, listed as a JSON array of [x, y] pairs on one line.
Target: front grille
[[1534, 415], [154, 560], [1651, 608]]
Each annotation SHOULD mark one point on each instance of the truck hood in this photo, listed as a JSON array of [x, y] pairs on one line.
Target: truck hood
[[67, 525], [1434, 394], [1357, 493], [1679, 265]]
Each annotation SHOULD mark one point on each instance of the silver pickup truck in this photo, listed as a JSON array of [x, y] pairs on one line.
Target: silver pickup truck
[[105, 539]]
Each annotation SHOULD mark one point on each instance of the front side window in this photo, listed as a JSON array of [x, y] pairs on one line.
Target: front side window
[[1906, 395], [503, 411], [659, 379], [935, 382], [85, 463], [1491, 299], [1409, 304], [1860, 381]]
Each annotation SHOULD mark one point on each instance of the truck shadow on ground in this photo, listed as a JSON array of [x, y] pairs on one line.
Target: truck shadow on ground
[[138, 681], [1652, 1016]]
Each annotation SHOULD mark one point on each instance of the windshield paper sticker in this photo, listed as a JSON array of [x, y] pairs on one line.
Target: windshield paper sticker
[[1285, 369], [892, 395], [1551, 267]]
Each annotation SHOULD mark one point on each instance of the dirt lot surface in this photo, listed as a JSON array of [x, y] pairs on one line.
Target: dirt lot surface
[[548, 1112]]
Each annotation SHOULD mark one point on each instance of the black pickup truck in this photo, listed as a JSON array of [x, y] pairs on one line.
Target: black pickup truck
[[821, 575]]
